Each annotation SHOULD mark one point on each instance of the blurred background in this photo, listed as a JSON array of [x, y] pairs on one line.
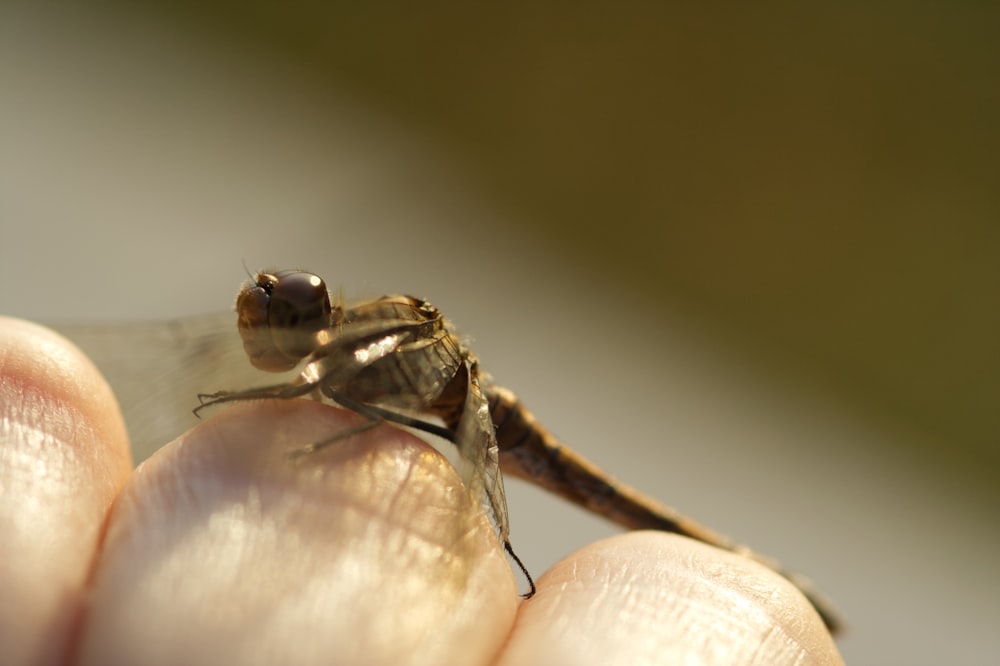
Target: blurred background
[[745, 258]]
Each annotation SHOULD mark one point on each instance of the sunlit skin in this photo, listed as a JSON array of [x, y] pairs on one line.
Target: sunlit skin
[[219, 549]]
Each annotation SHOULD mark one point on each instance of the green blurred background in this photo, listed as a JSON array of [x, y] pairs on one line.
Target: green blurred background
[[747, 257], [821, 183]]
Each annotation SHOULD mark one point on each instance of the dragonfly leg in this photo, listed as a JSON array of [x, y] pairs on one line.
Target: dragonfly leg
[[520, 565], [338, 437], [376, 416], [380, 413], [279, 391]]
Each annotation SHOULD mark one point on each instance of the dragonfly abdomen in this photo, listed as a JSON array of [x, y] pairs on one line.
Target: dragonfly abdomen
[[529, 451]]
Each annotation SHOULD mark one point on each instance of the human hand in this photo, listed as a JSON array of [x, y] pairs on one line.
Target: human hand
[[222, 549]]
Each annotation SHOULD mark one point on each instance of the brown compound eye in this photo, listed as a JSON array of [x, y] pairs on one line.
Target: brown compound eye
[[279, 315]]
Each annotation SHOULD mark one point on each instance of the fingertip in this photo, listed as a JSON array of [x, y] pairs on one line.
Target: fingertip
[[662, 598], [370, 550], [51, 386], [63, 457]]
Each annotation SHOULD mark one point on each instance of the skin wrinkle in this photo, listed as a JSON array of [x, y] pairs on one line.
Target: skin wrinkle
[[396, 532], [389, 516], [389, 513], [397, 495], [764, 651], [757, 610]]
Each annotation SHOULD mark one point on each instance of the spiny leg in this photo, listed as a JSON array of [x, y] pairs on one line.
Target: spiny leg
[[380, 413], [376, 416], [340, 436], [277, 391]]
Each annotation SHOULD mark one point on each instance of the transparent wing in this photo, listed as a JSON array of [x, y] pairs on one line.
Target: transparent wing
[[157, 369], [479, 463]]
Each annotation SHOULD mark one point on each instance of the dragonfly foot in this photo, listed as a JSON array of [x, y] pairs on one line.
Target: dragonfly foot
[[510, 551], [338, 437]]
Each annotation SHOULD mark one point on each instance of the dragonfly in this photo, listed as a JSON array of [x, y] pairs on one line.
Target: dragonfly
[[394, 359]]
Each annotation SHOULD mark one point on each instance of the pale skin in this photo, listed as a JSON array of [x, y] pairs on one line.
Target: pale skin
[[222, 549]]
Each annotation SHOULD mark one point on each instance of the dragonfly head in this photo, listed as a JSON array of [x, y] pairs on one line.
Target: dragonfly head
[[280, 315]]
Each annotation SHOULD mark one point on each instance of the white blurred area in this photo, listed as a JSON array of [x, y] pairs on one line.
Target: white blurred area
[[143, 162]]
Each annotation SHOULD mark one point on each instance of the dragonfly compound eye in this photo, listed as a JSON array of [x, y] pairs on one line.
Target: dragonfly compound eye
[[280, 315]]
